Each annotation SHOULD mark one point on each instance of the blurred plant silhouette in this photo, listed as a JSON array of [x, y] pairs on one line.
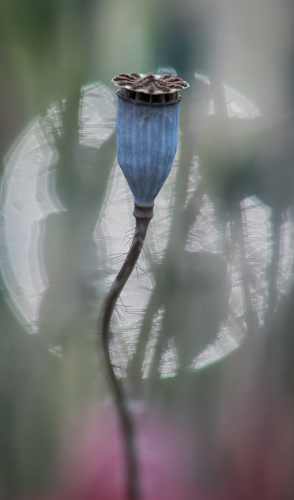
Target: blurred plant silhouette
[[202, 335]]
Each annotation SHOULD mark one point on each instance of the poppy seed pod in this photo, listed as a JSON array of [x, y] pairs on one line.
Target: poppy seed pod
[[147, 133]]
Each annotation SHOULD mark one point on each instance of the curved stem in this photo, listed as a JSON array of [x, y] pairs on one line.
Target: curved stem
[[117, 386]]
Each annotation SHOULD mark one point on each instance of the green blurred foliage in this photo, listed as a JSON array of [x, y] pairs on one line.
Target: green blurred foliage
[[49, 49]]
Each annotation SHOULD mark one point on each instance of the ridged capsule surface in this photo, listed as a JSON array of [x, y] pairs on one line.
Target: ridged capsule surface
[[147, 139]]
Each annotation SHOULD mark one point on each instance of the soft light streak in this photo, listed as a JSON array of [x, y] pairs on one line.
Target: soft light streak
[[238, 106], [28, 197]]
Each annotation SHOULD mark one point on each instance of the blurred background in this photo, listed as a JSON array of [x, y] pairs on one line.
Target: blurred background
[[203, 332]]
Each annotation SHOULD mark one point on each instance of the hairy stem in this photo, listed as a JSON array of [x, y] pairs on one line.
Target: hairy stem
[[125, 415]]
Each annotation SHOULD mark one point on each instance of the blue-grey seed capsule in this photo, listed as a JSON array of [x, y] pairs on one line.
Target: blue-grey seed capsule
[[147, 140], [147, 131]]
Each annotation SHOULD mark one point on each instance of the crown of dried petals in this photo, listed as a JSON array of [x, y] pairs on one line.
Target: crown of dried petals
[[150, 83]]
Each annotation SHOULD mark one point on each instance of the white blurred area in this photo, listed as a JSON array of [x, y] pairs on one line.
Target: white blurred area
[[28, 197], [113, 235], [238, 106], [97, 115]]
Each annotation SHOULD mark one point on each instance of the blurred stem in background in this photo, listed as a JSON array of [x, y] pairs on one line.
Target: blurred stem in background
[[46, 57]]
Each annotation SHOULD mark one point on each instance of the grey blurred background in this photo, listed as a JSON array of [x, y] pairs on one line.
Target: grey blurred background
[[204, 330]]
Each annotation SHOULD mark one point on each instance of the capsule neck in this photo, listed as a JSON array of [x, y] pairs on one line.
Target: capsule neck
[[143, 212]]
